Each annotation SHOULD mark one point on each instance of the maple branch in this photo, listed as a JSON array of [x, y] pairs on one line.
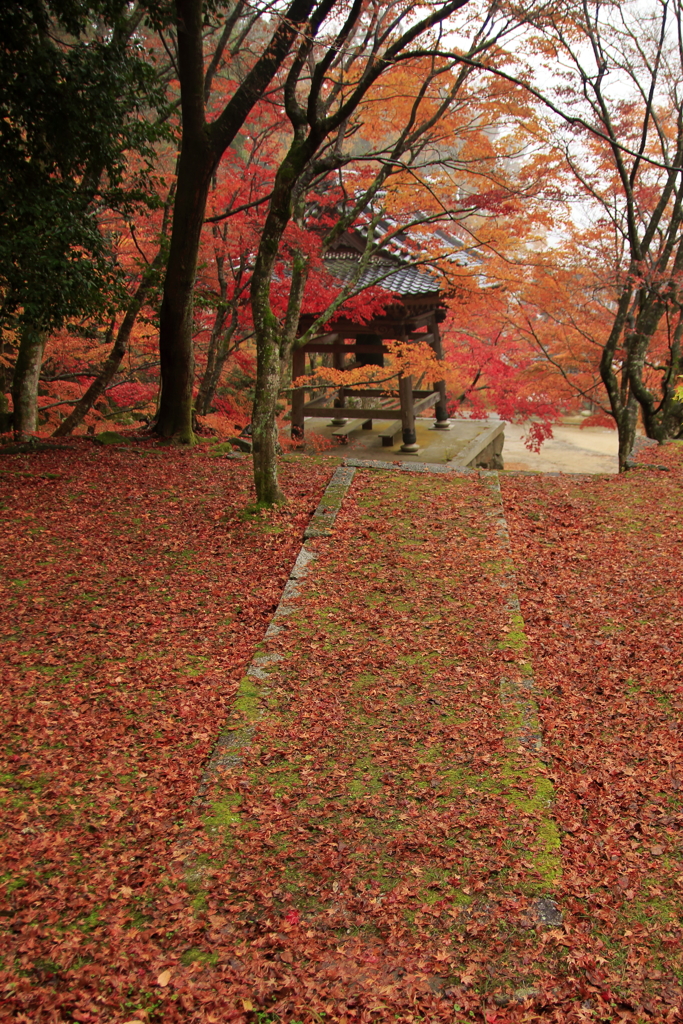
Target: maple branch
[[131, 228], [107, 387], [297, 17], [239, 209], [171, 54], [394, 54], [322, 385], [588, 394], [223, 42], [571, 119]]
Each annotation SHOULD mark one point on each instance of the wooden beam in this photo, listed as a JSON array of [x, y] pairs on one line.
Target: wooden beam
[[426, 403], [315, 346], [385, 328], [331, 336], [427, 338], [407, 414], [349, 427], [339, 412], [313, 408], [381, 393], [391, 433], [313, 401], [439, 385], [360, 393]]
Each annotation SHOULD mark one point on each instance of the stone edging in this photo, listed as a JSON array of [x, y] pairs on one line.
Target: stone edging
[[521, 723], [237, 732], [407, 467], [515, 696], [324, 516]]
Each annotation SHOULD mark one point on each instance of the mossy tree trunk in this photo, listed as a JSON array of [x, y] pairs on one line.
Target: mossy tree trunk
[[264, 427], [273, 339], [25, 381]]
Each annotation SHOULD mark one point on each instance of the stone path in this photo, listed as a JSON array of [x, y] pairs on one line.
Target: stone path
[[383, 775]]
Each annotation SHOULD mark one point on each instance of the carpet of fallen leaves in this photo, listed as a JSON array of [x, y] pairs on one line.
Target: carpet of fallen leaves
[[134, 589], [382, 850], [600, 577], [378, 850]]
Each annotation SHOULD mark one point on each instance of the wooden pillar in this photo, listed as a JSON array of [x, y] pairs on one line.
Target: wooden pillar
[[338, 403], [338, 364], [405, 390], [338, 358], [298, 395], [441, 411]]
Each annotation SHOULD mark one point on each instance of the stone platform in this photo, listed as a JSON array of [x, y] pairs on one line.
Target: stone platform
[[466, 444]]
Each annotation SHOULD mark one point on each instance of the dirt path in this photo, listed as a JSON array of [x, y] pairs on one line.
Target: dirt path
[[570, 450]]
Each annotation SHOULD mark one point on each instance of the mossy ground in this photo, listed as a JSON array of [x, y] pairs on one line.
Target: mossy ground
[[384, 794]]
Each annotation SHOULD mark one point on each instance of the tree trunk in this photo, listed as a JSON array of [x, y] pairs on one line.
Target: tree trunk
[[626, 428], [274, 341], [221, 336], [264, 429], [174, 418], [672, 407], [621, 398], [219, 350], [25, 382], [215, 360], [5, 385], [662, 416], [201, 149]]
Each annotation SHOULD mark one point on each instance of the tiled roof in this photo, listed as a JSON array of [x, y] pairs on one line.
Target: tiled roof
[[404, 280]]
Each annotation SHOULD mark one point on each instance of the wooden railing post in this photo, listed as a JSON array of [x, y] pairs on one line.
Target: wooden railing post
[[441, 410], [298, 395], [405, 390], [339, 403]]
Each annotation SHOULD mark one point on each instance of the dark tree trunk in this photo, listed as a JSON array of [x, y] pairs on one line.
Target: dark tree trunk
[[222, 333], [25, 382], [662, 414], [671, 406], [219, 350], [5, 385], [201, 149], [174, 418], [622, 401]]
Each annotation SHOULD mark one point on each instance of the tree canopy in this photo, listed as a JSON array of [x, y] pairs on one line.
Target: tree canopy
[[173, 176]]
